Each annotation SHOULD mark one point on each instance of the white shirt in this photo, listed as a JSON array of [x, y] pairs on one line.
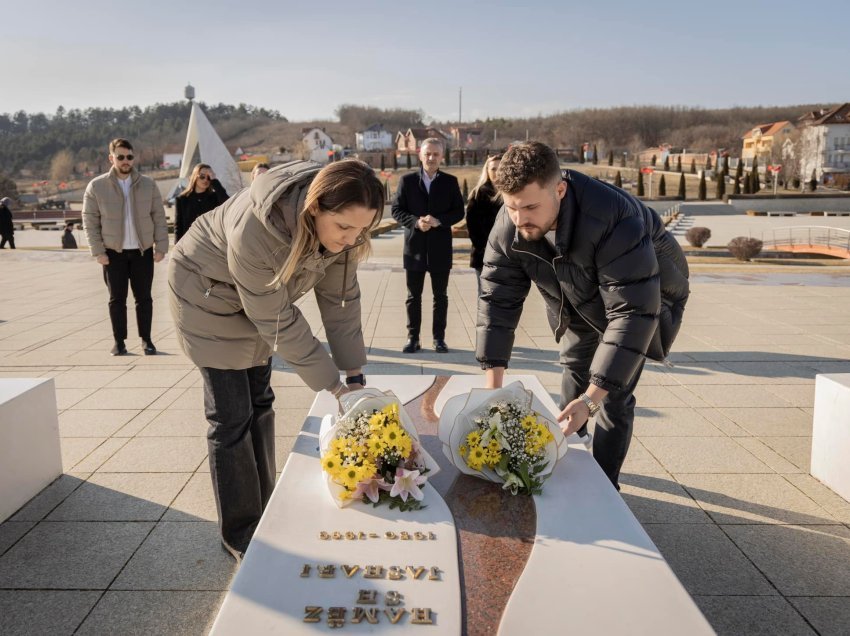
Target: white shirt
[[428, 181], [550, 236], [131, 239]]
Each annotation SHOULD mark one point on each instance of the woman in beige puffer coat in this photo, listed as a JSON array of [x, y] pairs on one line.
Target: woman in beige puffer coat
[[234, 278]]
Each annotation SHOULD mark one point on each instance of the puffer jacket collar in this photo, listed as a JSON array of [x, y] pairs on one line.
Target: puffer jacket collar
[[567, 214], [278, 195]]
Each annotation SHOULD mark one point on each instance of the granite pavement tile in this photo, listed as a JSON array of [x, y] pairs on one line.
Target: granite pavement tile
[[824, 496], [659, 499], [195, 502], [797, 450], [742, 498], [11, 531], [39, 506], [179, 556], [830, 616], [640, 461], [177, 423], [76, 378], [706, 560], [70, 555], [771, 421], [122, 398], [795, 395], [145, 378], [815, 560], [769, 456], [703, 455], [31, 612], [66, 398], [121, 497], [138, 423], [722, 422], [144, 613], [158, 455], [101, 454], [753, 616], [83, 423], [741, 395], [676, 422]]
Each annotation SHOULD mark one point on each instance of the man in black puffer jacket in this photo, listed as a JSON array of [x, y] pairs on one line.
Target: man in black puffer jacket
[[614, 280]]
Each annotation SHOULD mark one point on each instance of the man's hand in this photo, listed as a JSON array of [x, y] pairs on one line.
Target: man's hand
[[103, 259], [423, 224], [431, 221], [157, 257], [573, 417]]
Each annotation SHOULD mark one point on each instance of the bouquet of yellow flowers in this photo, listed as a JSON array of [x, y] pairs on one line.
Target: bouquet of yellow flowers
[[499, 436], [373, 454]]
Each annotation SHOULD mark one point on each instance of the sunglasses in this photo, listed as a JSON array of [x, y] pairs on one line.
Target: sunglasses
[[205, 177], [123, 157]]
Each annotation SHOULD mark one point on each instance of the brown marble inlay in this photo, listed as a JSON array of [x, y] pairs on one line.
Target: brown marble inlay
[[495, 530]]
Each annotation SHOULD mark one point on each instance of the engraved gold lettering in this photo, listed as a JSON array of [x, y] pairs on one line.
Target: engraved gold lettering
[[395, 573], [324, 536], [367, 597], [392, 598], [350, 535], [405, 536], [395, 614], [434, 574], [432, 536], [390, 535], [421, 616], [336, 616], [361, 535], [312, 614], [373, 535], [369, 613], [373, 572], [326, 571], [420, 536], [337, 535], [415, 573], [350, 570], [305, 571]]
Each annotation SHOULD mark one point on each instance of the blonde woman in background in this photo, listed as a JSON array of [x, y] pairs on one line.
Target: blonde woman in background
[[481, 209], [203, 194]]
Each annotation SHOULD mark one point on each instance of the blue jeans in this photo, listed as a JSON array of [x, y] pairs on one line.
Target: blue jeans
[[240, 439], [615, 419]]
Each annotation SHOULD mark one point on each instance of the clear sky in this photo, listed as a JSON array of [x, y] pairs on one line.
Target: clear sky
[[306, 58]]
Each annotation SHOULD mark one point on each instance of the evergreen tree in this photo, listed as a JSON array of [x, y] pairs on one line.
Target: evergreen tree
[[653, 160], [610, 157], [679, 163], [708, 163], [409, 161], [388, 195], [581, 153], [703, 195], [595, 156], [720, 190], [623, 161], [682, 192], [640, 191], [474, 157], [662, 187], [748, 183], [465, 190], [755, 186], [462, 160], [383, 162], [726, 166], [693, 166], [618, 180], [736, 189], [395, 161], [447, 160], [813, 182], [739, 173], [667, 163]]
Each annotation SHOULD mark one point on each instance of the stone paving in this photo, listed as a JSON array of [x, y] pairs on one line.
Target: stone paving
[[125, 541]]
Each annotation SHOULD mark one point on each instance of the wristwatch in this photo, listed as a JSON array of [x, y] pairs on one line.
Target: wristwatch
[[356, 379], [592, 406]]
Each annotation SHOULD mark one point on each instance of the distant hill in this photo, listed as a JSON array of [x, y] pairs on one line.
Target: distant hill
[[75, 141]]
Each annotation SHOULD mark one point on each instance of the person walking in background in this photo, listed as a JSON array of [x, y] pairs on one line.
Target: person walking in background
[[427, 203], [481, 209], [204, 193], [7, 226], [69, 242], [234, 279], [125, 226], [614, 280], [259, 169]]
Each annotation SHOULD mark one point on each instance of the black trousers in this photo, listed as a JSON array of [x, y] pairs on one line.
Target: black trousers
[[132, 268], [4, 238], [240, 440], [616, 416], [439, 288]]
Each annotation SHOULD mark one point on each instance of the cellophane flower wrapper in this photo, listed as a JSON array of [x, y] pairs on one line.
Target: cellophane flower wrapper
[[357, 405], [457, 425]]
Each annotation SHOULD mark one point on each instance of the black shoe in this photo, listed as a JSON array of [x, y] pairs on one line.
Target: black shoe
[[119, 349], [148, 348], [412, 346], [440, 346]]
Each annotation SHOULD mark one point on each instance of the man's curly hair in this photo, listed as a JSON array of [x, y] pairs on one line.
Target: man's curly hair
[[526, 163]]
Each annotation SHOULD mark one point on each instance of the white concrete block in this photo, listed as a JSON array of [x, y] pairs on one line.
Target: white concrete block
[[30, 457], [831, 432]]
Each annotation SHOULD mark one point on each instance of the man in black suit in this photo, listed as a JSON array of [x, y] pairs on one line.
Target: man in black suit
[[427, 203]]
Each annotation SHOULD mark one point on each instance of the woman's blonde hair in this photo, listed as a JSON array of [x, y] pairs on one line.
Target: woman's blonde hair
[[337, 186], [194, 177], [484, 179]]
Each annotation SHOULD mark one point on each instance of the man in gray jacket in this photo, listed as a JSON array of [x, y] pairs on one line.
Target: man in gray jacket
[[613, 279], [127, 233]]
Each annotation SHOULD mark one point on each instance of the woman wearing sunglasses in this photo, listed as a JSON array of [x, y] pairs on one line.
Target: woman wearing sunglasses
[[234, 280], [203, 193]]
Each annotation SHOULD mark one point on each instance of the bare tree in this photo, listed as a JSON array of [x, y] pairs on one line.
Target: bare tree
[[62, 165]]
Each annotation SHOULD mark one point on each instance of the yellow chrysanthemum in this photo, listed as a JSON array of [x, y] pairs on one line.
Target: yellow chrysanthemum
[[476, 457], [375, 446], [473, 438], [528, 421], [462, 450], [349, 476], [331, 464], [392, 436]]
